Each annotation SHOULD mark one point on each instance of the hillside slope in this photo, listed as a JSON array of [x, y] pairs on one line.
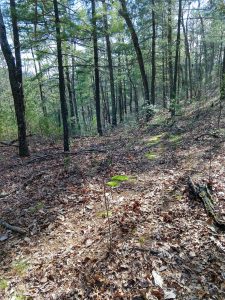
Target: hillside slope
[[161, 244]]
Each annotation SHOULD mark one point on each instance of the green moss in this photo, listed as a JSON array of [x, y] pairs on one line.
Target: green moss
[[20, 267], [103, 214], [151, 155], [20, 296], [120, 178], [175, 138], [37, 207], [3, 284], [155, 139], [142, 240]]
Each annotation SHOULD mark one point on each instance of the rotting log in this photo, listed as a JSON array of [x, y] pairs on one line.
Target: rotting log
[[202, 192]]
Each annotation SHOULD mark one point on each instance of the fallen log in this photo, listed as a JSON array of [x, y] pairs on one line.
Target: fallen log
[[202, 192], [12, 227]]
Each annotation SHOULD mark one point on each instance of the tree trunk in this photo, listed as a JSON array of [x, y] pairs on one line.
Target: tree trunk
[[124, 13], [15, 77], [110, 62], [64, 110], [153, 54], [96, 69], [69, 89], [176, 64], [75, 97], [188, 59], [42, 96], [222, 89], [169, 40]]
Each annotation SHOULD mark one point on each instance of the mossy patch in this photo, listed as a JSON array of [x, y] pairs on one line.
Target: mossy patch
[[151, 155], [141, 240], [104, 214], [117, 180], [20, 267], [36, 208], [3, 284], [19, 296], [175, 138], [154, 140]]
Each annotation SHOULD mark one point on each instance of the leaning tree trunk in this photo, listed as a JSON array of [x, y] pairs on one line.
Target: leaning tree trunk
[[15, 77], [96, 70], [124, 13], [64, 110]]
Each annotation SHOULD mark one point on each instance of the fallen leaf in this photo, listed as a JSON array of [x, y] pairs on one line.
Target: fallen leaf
[[169, 295], [4, 237], [157, 279]]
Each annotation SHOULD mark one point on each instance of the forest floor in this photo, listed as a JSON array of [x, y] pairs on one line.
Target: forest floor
[[163, 244]]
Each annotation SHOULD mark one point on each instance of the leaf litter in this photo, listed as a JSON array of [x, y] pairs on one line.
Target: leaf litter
[[164, 246]]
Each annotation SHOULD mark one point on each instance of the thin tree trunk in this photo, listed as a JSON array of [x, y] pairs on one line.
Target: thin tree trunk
[[15, 77], [69, 89], [96, 69], [204, 49], [222, 88], [169, 39], [124, 13], [75, 97], [188, 59], [42, 97], [153, 54], [110, 62], [176, 64], [64, 110]]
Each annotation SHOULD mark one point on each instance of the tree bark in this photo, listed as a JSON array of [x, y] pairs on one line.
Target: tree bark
[[75, 97], [64, 110], [176, 64], [188, 58], [124, 13], [153, 54], [15, 77], [110, 62], [169, 40], [70, 94], [96, 70]]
